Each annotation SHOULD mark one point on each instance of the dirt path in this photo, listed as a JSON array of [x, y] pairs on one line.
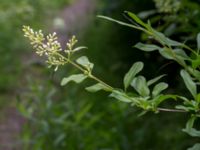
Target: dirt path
[[73, 19], [70, 21], [10, 128]]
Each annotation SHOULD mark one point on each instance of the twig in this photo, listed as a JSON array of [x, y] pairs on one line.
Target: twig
[[171, 110]]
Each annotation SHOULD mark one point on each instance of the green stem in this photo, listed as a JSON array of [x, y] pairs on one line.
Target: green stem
[[188, 48], [76, 65], [170, 110], [110, 88]]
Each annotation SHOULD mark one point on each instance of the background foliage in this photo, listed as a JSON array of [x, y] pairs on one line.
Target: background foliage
[[69, 117], [14, 14]]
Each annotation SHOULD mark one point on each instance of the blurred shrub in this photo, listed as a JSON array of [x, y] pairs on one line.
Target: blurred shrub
[[14, 14], [168, 6], [177, 18], [78, 122]]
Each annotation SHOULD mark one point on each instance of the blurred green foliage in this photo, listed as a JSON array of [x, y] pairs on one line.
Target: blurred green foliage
[[70, 118], [176, 18], [13, 15], [94, 123]]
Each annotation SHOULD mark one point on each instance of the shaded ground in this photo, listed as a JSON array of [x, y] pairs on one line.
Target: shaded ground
[[70, 21], [73, 19], [10, 128]]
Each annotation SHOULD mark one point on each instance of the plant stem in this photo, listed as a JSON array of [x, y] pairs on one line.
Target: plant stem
[[171, 110], [77, 66], [110, 88], [188, 48]]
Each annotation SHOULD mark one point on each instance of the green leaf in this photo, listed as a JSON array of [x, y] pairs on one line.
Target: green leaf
[[121, 96], [189, 105], [196, 73], [97, 87], [175, 54], [198, 98], [79, 48], [163, 39], [160, 98], [146, 47], [136, 19], [135, 69], [59, 139], [169, 31], [154, 80], [182, 107], [196, 62], [119, 22], [166, 53], [84, 61], [198, 41], [192, 132], [77, 78], [181, 54], [140, 85], [142, 113], [190, 84], [183, 98], [189, 128], [190, 122], [195, 147], [82, 112], [159, 88]]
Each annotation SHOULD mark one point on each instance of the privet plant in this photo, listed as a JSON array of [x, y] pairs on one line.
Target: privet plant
[[164, 18], [145, 94]]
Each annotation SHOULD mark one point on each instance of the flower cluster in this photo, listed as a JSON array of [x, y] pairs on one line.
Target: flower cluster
[[49, 46], [36, 38], [71, 43]]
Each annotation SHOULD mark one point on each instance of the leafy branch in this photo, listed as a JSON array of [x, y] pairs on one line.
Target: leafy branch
[[56, 56], [173, 50], [145, 94], [50, 47]]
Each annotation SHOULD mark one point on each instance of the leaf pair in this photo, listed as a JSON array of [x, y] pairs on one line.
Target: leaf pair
[[189, 128], [195, 147], [176, 54], [140, 84], [78, 78], [84, 61], [121, 96], [130, 75]]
